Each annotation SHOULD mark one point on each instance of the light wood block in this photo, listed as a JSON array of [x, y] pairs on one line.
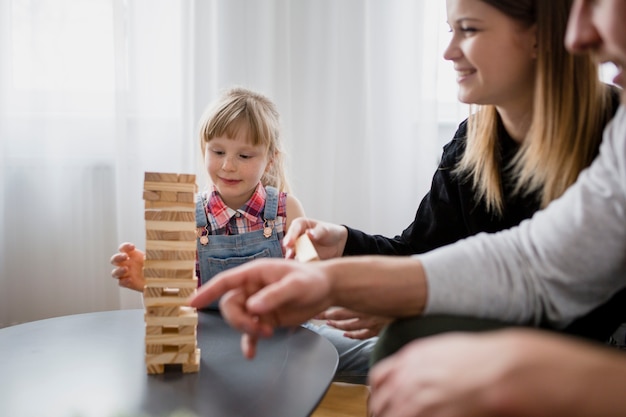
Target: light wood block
[[305, 251], [160, 177], [164, 240], [182, 197], [170, 339], [167, 264], [164, 301], [170, 226], [169, 205], [183, 320], [169, 273], [171, 283], [170, 216], [169, 357], [161, 311], [194, 364], [166, 292], [171, 329], [183, 187], [171, 255]]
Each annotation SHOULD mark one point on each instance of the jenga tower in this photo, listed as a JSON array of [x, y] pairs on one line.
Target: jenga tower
[[170, 272]]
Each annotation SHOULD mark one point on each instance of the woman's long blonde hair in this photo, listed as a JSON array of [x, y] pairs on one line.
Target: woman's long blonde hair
[[239, 108], [570, 109]]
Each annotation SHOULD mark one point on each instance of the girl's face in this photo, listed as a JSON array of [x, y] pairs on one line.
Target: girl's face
[[235, 167], [493, 54]]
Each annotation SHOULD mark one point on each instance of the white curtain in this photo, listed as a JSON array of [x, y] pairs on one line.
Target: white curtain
[[95, 92]]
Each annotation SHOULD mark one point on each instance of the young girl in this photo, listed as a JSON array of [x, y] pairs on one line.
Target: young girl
[[248, 210], [536, 124]]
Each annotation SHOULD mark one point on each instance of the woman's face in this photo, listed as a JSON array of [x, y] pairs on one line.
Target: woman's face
[[493, 54]]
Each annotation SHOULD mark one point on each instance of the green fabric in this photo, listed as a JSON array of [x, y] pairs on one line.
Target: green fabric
[[402, 331]]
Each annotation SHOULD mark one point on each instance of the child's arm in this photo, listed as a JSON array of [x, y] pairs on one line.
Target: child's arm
[[129, 267], [294, 210]]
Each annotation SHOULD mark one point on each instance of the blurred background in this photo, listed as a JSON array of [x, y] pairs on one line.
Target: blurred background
[[95, 92]]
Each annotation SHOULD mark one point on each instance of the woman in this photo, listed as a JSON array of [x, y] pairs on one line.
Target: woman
[[529, 137]]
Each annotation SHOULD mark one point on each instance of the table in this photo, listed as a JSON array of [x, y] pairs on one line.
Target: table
[[92, 365]]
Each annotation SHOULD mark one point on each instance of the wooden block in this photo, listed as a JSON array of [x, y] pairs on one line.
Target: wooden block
[[170, 226], [166, 264], [164, 301], [161, 177], [185, 197], [171, 255], [169, 205], [168, 357], [171, 329], [171, 283], [169, 273], [177, 187], [186, 237], [187, 178], [155, 369], [305, 251], [171, 245], [182, 320], [170, 196], [151, 292], [170, 216], [170, 339], [194, 364], [151, 196], [170, 311]]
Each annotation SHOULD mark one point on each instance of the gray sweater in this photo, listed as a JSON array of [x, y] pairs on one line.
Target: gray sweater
[[557, 266]]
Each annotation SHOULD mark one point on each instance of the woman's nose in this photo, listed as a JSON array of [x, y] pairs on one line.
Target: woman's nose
[[452, 51]]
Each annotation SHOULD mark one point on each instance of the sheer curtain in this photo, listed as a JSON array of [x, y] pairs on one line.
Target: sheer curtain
[[95, 92]]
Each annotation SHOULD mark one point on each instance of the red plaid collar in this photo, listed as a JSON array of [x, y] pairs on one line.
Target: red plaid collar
[[251, 210]]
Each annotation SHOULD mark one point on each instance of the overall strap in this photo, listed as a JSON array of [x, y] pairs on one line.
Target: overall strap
[[271, 203], [201, 220]]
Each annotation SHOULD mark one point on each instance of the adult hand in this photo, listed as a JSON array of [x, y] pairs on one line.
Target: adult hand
[[328, 239], [267, 293], [504, 373], [128, 269], [356, 325]]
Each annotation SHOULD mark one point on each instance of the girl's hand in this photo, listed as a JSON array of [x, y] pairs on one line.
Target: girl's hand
[[129, 267]]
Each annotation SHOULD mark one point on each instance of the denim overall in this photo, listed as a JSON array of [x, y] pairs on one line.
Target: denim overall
[[223, 252]]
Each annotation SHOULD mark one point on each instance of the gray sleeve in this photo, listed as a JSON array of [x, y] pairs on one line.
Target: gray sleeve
[[553, 268]]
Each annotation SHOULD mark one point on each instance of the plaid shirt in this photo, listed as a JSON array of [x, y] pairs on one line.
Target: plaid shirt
[[223, 220]]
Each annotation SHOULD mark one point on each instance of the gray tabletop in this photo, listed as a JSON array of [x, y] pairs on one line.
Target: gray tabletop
[[92, 365]]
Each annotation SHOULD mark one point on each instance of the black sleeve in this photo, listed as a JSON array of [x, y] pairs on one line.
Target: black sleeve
[[441, 218]]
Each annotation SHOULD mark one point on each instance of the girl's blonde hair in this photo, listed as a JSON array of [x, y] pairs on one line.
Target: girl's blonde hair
[[239, 108], [570, 109]]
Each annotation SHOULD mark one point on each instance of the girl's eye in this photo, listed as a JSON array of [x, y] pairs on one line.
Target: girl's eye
[[216, 152], [245, 156], [468, 30]]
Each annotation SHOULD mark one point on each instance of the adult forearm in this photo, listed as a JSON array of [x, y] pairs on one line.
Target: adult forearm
[[390, 286]]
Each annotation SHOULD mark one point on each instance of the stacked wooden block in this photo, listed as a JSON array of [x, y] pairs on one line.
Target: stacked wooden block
[[170, 273]]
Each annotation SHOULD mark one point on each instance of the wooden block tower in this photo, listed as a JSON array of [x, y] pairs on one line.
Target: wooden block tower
[[170, 273]]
